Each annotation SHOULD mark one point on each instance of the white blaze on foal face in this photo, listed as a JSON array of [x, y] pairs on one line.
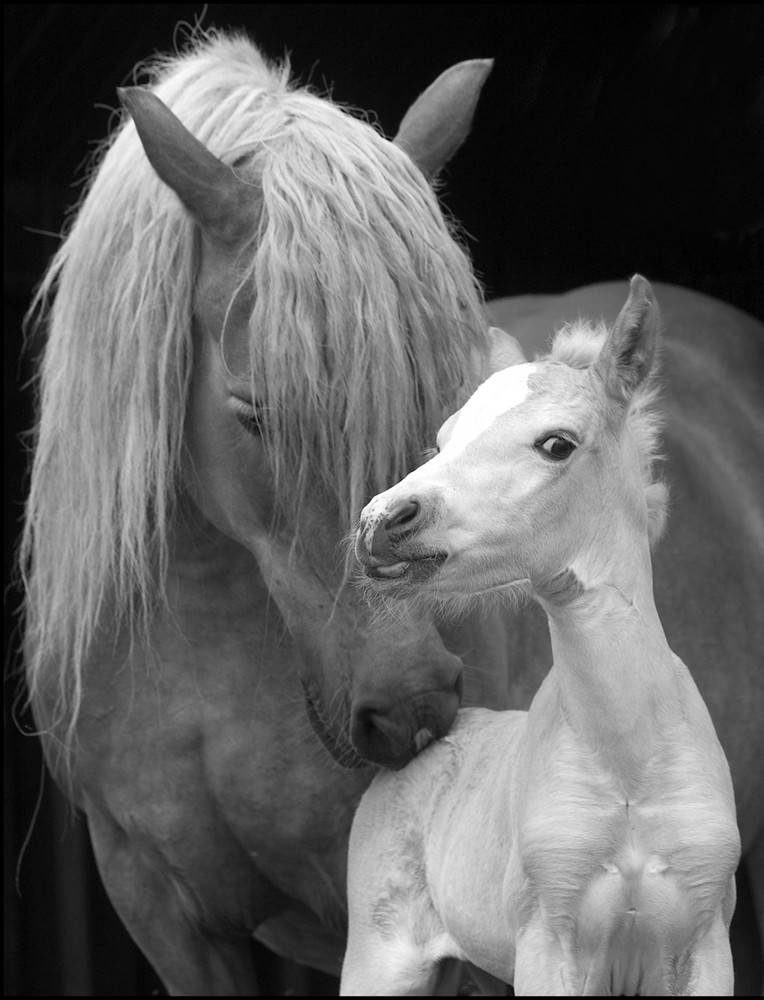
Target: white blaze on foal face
[[499, 394], [502, 469]]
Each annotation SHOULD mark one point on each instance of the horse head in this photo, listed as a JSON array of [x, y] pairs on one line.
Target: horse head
[[299, 307]]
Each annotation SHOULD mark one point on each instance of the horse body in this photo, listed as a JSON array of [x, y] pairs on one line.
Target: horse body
[[194, 852], [259, 320], [205, 431], [607, 866]]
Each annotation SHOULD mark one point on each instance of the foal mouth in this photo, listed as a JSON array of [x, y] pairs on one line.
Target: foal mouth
[[414, 569]]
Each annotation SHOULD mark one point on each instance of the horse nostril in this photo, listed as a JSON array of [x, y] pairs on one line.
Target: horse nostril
[[371, 722], [392, 731], [403, 515]]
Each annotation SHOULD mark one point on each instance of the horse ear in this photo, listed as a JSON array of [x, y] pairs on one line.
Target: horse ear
[[439, 120], [222, 204], [629, 353], [505, 350]]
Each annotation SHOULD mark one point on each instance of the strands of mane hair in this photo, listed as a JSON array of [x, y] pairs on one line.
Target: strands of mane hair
[[366, 315]]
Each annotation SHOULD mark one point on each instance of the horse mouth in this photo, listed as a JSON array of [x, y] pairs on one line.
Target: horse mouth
[[415, 569], [337, 746]]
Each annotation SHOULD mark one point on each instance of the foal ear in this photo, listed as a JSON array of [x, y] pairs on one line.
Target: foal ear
[[439, 120], [223, 205], [628, 355], [505, 350]]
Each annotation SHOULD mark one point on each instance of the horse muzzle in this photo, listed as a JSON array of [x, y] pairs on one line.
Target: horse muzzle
[[387, 726], [393, 734]]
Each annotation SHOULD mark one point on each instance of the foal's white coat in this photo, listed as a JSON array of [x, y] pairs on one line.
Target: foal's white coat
[[588, 846]]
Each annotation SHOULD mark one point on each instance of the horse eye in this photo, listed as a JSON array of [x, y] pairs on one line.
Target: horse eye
[[556, 447], [250, 417]]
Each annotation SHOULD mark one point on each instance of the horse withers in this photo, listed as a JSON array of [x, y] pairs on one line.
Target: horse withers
[[588, 846]]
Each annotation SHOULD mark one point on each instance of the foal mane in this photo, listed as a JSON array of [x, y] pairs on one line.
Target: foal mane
[[365, 321], [579, 345]]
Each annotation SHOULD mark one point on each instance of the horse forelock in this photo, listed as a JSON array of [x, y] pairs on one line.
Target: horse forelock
[[365, 315], [365, 308], [579, 345]]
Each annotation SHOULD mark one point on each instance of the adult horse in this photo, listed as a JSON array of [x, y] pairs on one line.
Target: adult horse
[[257, 319]]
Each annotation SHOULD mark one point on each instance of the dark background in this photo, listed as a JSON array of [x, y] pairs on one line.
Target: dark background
[[609, 139]]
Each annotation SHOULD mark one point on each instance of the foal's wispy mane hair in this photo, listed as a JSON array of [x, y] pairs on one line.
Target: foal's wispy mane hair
[[363, 334]]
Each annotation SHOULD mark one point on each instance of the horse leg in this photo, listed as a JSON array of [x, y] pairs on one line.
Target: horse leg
[[159, 914]]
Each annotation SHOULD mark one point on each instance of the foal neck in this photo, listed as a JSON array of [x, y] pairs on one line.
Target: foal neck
[[616, 677]]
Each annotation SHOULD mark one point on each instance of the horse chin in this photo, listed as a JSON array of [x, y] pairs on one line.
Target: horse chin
[[338, 748]]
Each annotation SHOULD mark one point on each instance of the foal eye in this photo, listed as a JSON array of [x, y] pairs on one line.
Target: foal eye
[[556, 447]]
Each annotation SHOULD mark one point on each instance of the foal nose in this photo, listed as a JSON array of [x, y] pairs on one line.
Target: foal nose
[[401, 519], [403, 516]]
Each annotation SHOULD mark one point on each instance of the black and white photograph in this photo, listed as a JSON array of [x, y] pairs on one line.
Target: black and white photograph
[[384, 500]]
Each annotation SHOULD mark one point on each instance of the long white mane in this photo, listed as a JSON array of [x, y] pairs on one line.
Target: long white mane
[[362, 335]]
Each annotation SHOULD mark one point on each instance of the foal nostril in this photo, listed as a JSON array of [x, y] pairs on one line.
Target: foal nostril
[[403, 516]]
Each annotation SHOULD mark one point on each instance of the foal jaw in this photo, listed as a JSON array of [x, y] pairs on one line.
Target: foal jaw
[[562, 589]]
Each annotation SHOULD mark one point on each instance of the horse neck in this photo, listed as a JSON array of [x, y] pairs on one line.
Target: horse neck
[[617, 679]]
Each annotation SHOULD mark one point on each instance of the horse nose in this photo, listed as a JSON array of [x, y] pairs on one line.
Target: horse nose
[[391, 732]]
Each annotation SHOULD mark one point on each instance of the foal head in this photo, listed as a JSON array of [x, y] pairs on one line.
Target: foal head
[[546, 468]]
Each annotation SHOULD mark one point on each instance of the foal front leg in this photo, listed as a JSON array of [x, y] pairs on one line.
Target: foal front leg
[[393, 968], [395, 939], [711, 970]]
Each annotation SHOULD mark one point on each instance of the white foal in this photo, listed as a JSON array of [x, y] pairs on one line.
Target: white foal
[[587, 847]]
